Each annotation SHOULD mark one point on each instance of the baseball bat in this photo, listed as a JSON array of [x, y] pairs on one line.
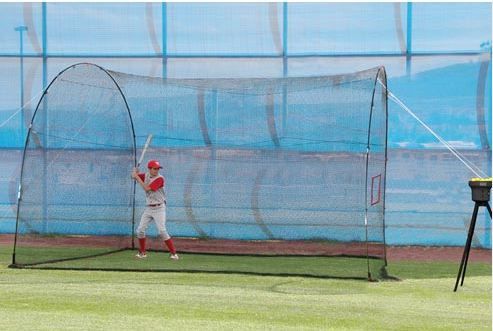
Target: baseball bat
[[146, 146]]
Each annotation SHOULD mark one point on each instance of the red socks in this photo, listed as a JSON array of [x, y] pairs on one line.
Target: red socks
[[142, 245], [170, 245]]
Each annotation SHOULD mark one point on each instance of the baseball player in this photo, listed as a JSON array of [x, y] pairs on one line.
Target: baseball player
[[153, 184]]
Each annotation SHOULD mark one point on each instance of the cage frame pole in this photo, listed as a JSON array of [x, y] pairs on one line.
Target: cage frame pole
[[19, 197], [368, 149], [164, 36], [285, 71], [409, 37]]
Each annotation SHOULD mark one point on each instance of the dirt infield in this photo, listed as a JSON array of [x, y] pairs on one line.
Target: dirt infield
[[394, 253]]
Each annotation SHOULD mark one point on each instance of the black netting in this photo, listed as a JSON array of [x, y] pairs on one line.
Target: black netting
[[75, 172], [258, 166]]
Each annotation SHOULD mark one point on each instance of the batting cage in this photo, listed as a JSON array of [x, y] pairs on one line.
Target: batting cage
[[281, 176]]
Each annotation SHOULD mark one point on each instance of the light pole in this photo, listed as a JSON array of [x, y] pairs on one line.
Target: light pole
[[21, 29]]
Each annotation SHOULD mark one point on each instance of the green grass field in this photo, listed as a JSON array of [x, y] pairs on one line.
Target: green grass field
[[85, 300], [316, 266]]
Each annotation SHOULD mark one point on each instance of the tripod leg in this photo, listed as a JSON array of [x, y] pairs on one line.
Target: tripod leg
[[465, 255], [471, 230]]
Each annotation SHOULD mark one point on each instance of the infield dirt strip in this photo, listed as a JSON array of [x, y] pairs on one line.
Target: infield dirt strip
[[394, 253]]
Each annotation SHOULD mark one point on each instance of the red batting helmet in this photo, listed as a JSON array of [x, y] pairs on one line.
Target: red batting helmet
[[153, 164]]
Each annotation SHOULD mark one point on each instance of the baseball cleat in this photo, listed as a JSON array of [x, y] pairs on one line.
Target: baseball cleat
[[174, 257], [141, 255]]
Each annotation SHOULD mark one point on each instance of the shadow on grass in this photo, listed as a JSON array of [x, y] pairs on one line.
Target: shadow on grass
[[344, 268]]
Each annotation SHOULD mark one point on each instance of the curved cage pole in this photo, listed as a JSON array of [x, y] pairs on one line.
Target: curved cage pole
[[381, 71], [30, 134], [19, 193], [385, 95]]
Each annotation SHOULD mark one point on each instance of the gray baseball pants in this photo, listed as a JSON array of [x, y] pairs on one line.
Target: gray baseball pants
[[156, 214]]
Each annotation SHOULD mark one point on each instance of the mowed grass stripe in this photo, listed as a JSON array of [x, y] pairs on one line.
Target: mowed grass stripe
[[81, 300]]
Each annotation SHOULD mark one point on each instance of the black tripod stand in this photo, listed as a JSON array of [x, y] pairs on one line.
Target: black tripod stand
[[481, 196]]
